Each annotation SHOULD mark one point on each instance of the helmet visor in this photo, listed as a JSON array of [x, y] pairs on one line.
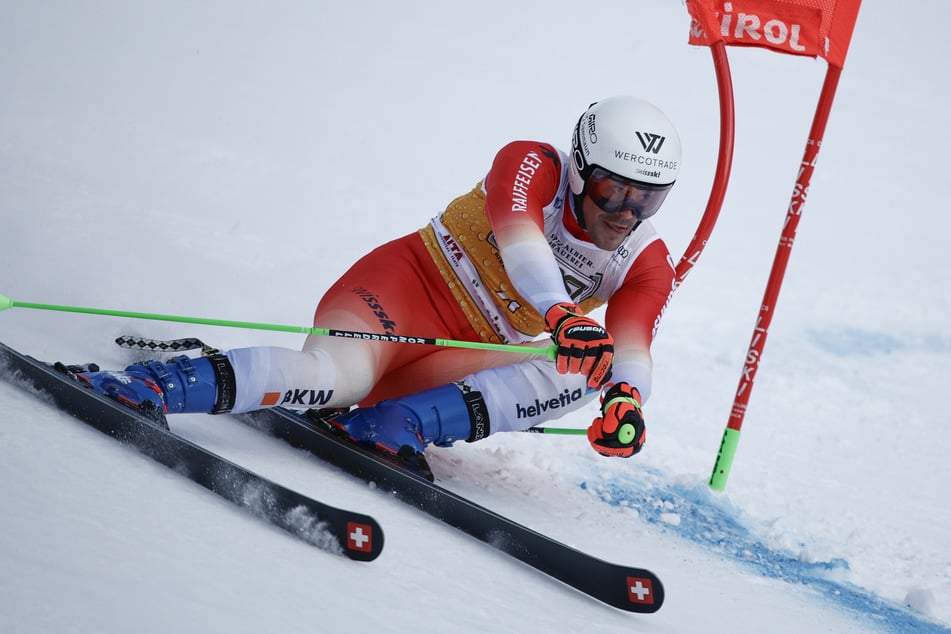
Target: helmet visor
[[614, 194]]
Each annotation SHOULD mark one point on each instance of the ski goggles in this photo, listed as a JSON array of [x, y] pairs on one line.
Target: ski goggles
[[614, 194]]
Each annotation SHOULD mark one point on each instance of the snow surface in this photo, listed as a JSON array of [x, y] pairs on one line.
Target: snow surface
[[230, 160]]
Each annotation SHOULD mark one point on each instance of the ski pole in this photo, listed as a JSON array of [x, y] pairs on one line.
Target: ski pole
[[133, 342], [550, 351], [565, 431]]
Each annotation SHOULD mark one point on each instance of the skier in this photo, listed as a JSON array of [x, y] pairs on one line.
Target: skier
[[540, 242]]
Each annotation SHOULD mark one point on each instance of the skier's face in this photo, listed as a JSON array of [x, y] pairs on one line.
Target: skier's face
[[612, 204], [606, 230]]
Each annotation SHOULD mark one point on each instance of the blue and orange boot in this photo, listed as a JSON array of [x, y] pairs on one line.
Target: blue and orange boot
[[183, 385], [404, 426]]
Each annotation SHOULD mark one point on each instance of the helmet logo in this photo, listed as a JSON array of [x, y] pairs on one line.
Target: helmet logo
[[651, 142], [576, 154], [578, 159], [593, 127]]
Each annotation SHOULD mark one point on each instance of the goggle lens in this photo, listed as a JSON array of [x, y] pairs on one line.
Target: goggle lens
[[614, 194]]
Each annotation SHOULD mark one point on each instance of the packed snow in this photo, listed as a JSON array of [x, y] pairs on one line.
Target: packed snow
[[231, 160]]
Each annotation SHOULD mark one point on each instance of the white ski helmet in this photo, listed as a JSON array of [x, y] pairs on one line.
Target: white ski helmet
[[627, 137]]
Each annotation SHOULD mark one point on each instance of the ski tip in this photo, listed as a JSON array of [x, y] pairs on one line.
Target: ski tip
[[5, 302]]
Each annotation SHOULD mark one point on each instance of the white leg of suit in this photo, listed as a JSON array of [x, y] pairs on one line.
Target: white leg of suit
[[525, 394]]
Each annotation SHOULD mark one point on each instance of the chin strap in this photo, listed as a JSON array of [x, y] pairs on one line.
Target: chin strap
[[575, 201]]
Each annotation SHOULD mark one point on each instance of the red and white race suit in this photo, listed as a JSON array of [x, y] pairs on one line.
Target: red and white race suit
[[486, 269]]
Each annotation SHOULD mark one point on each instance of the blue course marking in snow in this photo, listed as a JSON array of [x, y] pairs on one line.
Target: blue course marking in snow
[[694, 513]]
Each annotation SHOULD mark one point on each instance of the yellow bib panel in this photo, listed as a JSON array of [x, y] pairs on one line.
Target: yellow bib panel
[[470, 245]]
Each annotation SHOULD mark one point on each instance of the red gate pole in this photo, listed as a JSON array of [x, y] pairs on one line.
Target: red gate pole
[[731, 435], [724, 164]]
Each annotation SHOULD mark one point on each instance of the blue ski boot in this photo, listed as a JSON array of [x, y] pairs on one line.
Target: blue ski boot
[[183, 385], [404, 426]]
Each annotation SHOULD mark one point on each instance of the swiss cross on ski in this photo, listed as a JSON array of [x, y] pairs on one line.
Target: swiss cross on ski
[[359, 537], [640, 590]]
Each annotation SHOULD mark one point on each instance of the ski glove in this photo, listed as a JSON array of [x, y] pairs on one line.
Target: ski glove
[[619, 431], [584, 346]]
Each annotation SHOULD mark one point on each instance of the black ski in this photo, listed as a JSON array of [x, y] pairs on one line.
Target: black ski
[[625, 587], [343, 532]]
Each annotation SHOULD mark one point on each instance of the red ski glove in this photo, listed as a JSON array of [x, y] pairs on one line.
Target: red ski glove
[[584, 346], [620, 429]]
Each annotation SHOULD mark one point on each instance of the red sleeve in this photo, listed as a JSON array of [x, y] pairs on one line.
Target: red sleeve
[[634, 312], [523, 179]]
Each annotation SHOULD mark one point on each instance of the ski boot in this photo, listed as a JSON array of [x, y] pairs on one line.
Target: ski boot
[[402, 427], [183, 385]]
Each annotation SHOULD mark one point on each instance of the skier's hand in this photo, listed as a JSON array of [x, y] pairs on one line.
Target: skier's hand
[[619, 431], [584, 346]]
